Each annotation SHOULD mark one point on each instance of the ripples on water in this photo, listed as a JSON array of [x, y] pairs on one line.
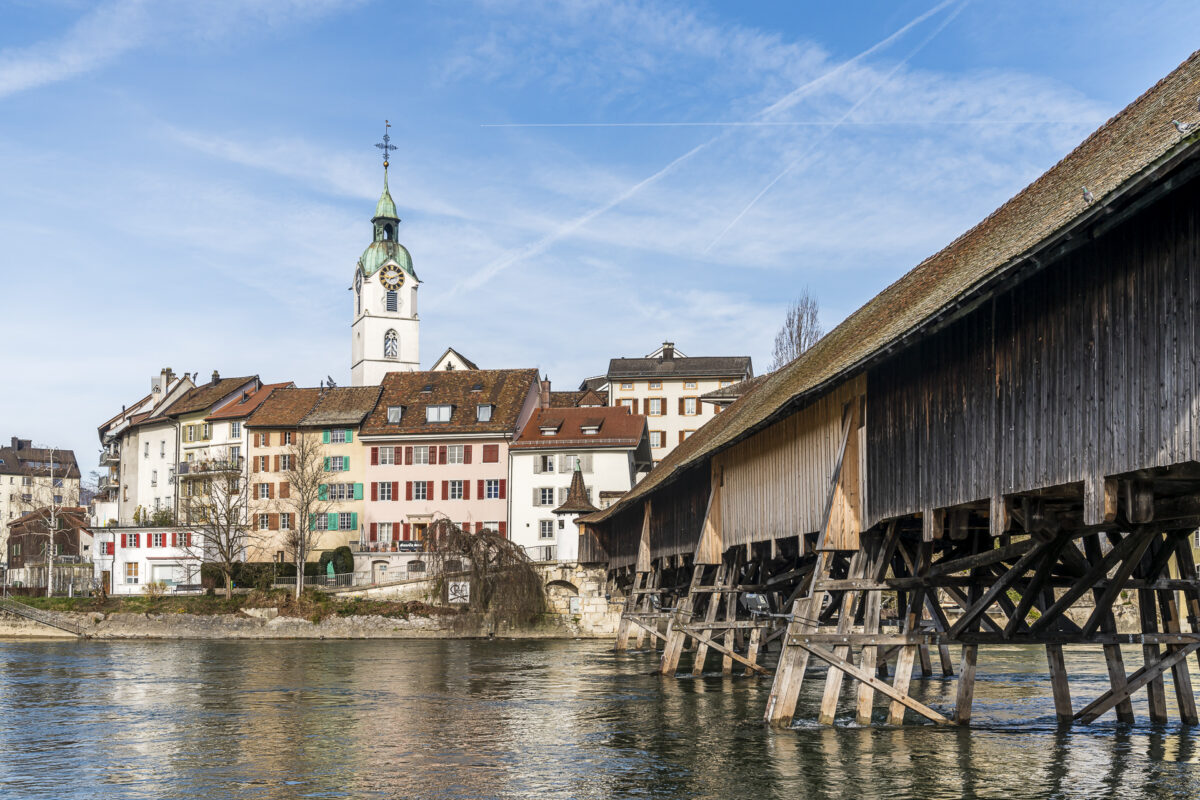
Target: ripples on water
[[477, 719]]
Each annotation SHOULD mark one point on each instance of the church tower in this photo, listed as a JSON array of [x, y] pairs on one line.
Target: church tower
[[386, 329]]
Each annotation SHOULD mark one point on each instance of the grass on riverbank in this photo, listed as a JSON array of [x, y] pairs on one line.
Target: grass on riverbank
[[313, 606]]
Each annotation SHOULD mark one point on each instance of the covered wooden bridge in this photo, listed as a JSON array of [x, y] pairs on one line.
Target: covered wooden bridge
[[1010, 428]]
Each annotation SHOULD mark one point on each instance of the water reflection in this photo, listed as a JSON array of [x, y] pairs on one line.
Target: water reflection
[[531, 719]]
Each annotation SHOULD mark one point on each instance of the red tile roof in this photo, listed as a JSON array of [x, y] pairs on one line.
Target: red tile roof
[[618, 428], [283, 408], [504, 389], [245, 404]]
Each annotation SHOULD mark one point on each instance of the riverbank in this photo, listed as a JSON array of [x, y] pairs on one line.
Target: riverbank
[[273, 615]]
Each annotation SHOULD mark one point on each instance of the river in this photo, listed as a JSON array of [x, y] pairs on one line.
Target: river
[[520, 719]]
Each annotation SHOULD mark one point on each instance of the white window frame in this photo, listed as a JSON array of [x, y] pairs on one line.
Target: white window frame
[[395, 414], [264, 521], [385, 490], [455, 489], [545, 496], [337, 436], [546, 529], [491, 489], [691, 406], [264, 491], [131, 573], [285, 521], [285, 462], [656, 436], [441, 412], [483, 412], [235, 429], [652, 403], [344, 521], [337, 463], [420, 490], [455, 453], [387, 454], [421, 454]]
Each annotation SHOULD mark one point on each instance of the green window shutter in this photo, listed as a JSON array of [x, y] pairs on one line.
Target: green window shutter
[[345, 463], [312, 522], [349, 435], [327, 463], [325, 436], [323, 491], [358, 491], [333, 520], [353, 520]]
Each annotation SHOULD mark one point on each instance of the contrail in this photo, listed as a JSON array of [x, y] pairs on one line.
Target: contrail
[[766, 124], [825, 134], [786, 101], [540, 245]]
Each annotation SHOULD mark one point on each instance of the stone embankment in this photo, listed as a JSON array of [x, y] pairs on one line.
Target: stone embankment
[[266, 624]]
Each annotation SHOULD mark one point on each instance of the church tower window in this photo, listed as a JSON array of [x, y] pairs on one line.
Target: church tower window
[[392, 301], [391, 345]]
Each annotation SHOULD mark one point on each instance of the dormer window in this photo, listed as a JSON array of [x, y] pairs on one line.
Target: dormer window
[[477, 387], [483, 412], [590, 430], [394, 413], [549, 427], [439, 413], [427, 388]]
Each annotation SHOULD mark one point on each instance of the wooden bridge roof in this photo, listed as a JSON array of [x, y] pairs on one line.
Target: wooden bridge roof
[[1139, 142]]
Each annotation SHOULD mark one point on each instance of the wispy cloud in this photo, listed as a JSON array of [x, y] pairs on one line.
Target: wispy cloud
[[113, 29]]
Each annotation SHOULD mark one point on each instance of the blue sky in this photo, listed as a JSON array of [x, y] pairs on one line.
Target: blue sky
[[190, 184]]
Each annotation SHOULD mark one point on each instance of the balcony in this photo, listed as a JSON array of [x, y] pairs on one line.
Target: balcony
[[107, 483], [110, 455], [211, 466]]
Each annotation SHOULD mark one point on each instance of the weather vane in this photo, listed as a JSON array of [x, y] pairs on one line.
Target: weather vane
[[386, 145]]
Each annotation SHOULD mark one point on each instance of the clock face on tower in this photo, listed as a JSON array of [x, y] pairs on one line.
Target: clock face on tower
[[392, 277]]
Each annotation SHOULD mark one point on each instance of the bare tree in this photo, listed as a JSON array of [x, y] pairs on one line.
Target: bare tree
[[217, 517], [305, 473], [801, 330], [47, 490]]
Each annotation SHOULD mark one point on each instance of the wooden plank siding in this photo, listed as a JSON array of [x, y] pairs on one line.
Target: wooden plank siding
[[616, 541], [777, 481], [1087, 368], [677, 513]]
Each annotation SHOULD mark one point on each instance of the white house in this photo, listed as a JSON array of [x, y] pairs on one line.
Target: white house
[[127, 559], [609, 445]]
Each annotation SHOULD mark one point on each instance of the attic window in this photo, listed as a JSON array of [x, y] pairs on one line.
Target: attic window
[[477, 387], [394, 413], [427, 388], [550, 427], [439, 413], [483, 412], [590, 430]]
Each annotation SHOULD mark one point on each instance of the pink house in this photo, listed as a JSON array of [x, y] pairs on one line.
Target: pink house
[[438, 448]]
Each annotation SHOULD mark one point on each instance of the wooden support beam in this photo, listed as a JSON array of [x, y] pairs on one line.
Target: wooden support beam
[[1099, 500], [654, 578], [710, 616], [1095, 709], [751, 661], [986, 558], [789, 673], [841, 521], [1117, 582], [648, 628], [683, 614], [833, 678], [999, 519], [1168, 607], [1156, 693], [1000, 585], [720, 648], [1113, 659], [1059, 684], [898, 696], [1033, 589], [965, 694], [1085, 583], [630, 601]]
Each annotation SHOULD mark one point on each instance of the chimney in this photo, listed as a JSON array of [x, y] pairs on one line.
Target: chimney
[[544, 394], [216, 377], [668, 351]]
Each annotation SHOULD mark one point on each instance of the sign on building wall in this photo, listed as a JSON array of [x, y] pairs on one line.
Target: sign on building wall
[[459, 591]]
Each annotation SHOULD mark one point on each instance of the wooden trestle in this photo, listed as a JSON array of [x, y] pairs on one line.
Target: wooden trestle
[[874, 614]]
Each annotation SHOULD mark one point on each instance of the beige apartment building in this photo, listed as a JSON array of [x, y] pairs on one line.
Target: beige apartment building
[[665, 386]]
